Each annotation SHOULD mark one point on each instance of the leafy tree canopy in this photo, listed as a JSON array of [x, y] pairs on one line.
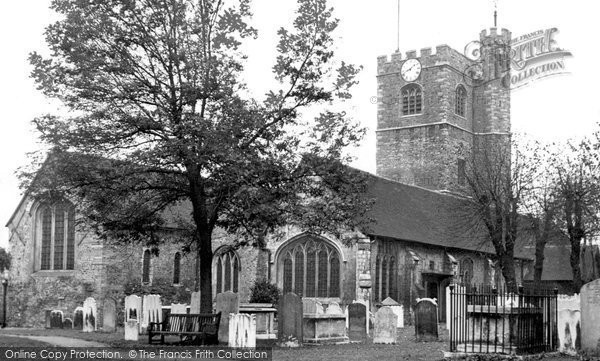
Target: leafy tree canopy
[[158, 116]]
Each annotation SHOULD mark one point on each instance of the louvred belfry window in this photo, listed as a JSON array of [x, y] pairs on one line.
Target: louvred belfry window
[[311, 268], [412, 99], [460, 101]]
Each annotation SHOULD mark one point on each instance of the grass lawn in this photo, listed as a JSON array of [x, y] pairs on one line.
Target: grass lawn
[[19, 342], [405, 349]]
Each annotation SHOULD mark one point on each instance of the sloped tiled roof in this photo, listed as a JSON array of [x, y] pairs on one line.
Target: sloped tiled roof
[[416, 214]]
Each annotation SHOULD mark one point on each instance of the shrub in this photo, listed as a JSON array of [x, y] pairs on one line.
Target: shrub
[[264, 292]]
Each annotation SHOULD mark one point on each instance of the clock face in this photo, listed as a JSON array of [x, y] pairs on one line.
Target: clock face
[[411, 69]]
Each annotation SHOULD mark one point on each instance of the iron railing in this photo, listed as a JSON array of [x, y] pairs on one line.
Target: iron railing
[[487, 320]]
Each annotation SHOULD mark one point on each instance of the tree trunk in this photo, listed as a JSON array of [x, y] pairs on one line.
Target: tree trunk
[[205, 257], [507, 266], [575, 261], [540, 245]]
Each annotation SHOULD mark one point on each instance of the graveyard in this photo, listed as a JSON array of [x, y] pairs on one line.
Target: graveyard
[[306, 329]]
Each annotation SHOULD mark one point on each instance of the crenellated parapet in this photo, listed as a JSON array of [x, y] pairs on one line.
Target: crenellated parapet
[[437, 56]]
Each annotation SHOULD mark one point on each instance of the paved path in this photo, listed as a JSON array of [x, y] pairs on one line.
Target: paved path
[[60, 341]]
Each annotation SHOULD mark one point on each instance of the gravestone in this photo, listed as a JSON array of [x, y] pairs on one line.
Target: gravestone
[[334, 309], [90, 312], [357, 322], [109, 315], [312, 307], [396, 308], [78, 318], [590, 318], [178, 308], [151, 311], [56, 319], [569, 337], [132, 330], [426, 320], [133, 313], [226, 303], [242, 330], [68, 323], [48, 319], [385, 326], [195, 302], [289, 327]]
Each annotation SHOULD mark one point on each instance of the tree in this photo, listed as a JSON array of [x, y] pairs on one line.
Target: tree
[[498, 174], [5, 260], [159, 117], [577, 168]]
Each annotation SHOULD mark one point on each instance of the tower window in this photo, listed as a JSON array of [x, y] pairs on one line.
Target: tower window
[[461, 101], [412, 99]]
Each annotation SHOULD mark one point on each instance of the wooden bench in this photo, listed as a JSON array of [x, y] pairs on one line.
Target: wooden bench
[[201, 329]]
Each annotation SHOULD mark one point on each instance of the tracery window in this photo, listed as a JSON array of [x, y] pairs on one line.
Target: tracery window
[[226, 268], [57, 236], [311, 268], [466, 271], [385, 278], [412, 99], [460, 100]]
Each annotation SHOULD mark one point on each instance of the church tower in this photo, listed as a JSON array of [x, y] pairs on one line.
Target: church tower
[[434, 107]]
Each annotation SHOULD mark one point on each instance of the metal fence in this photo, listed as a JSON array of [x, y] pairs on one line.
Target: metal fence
[[487, 320]]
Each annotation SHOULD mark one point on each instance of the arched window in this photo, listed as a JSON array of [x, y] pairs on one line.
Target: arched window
[[56, 225], [310, 267], [176, 268], [412, 99], [460, 100], [146, 259], [466, 271], [385, 278], [226, 269]]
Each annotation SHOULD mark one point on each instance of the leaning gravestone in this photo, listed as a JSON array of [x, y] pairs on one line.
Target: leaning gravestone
[[426, 327], [78, 318], [109, 315], [590, 318], [357, 322], [56, 319], [195, 302], [289, 323], [227, 302], [385, 326]]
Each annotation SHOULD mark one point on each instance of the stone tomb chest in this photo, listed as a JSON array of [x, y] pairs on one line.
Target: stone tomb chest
[[322, 326]]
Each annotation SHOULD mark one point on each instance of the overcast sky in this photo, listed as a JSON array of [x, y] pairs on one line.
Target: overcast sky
[[551, 109]]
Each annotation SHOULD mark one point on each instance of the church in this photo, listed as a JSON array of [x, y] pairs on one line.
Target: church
[[431, 112]]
